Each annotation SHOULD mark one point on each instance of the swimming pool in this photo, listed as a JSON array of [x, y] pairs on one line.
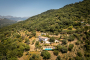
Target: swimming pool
[[48, 49]]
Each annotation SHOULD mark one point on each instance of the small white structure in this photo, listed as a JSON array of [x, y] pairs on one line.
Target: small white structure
[[56, 41]]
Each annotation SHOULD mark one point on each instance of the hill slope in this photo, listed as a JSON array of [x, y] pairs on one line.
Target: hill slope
[[6, 22], [64, 20]]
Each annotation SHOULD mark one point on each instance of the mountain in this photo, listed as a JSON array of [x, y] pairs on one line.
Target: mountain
[[14, 18], [6, 22], [70, 25]]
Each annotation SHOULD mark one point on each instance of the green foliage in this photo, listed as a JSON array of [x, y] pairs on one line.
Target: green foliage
[[58, 58], [71, 38], [20, 53], [35, 57], [77, 43], [52, 39], [33, 41], [59, 47], [45, 54], [27, 47], [78, 58], [79, 54], [64, 49], [17, 35], [64, 42], [41, 41], [70, 27], [27, 41], [12, 58], [33, 33], [70, 47], [56, 52], [37, 43], [31, 58]]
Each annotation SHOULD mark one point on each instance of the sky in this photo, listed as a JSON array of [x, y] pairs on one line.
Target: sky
[[28, 8]]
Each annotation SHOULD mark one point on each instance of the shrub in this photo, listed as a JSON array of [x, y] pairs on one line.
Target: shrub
[[56, 52], [30, 36], [31, 58], [33, 41], [17, 36], [64, 49], [27, 47], [27, 41], [23, 36], [41, 41], [20, 53], [78, 58], [70, 27], [33, 33], [45, 54], [36, 57], [52, 39], [70, 47], [64, 42], [37, 43], [58, 58], [12, 58], [77, 43], [87, 54], [79, 54], [59, 47], [71, 38]]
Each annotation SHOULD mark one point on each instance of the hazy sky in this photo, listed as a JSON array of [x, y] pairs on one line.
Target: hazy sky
[[28, 8]]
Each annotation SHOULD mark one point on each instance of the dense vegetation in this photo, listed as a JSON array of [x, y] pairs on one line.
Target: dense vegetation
[[71, 16]]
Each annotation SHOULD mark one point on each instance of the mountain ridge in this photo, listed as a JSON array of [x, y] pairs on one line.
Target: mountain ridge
[[5, 22], [14, 18]]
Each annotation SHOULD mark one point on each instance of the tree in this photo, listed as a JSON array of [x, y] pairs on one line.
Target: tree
[[33, 33], [77, 43], [35, 57], [45, 54], [86, 28], [70, 27], [59, 47], [27, 41], [27, 47], [64, 42], [78, 58], [31, 58], [56, 52], [52, 39], [58, 58], [33, 41], [20, 53], [71, 38], [79, 54], [70, 47], [64, 49]]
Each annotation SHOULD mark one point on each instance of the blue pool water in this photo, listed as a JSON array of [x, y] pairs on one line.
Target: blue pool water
[[48, 49]]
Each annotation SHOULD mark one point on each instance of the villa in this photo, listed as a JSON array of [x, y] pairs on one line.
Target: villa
[[44, 39]]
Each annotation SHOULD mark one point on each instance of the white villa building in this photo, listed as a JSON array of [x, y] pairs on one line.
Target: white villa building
[[44, 39]]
